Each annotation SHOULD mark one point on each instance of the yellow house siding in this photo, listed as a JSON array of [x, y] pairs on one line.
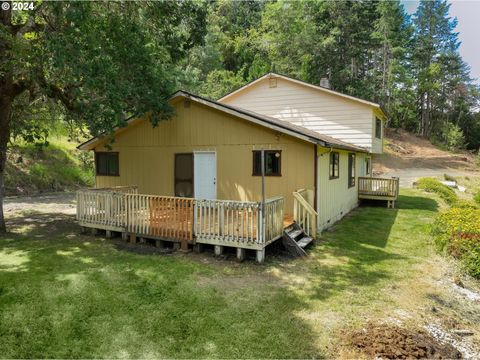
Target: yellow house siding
[[327, 114], [146, 155], [334, 198]]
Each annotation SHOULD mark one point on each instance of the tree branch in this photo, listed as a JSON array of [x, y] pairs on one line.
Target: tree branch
[[30, 25], [56, 92]]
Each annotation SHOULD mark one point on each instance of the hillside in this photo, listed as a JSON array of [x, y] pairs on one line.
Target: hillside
[[407, 151], [33, 169]]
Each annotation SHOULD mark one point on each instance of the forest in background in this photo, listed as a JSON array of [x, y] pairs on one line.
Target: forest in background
[[369, 49]]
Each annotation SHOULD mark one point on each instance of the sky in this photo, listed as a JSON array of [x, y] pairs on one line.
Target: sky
[[467, 13]]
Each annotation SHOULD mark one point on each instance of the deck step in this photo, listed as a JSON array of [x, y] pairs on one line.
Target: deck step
[[303, 242], [295, 233], [296, 240]]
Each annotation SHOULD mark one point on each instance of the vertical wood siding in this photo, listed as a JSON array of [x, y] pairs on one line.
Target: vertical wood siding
[[335, 198], [328, 114], [146, 155]]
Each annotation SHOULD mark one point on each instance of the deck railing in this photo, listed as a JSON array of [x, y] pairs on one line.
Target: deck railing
[[380, 187], [105, 208], [238, 223], [220, 222], [303, 212], [165, 217]]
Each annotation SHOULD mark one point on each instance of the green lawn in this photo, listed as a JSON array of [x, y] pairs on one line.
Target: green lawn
[[69, 295]]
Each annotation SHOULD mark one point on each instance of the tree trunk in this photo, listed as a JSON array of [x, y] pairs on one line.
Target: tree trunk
[[5, 116]]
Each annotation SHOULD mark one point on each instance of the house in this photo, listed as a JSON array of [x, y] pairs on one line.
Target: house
[[318, 108], [212, 150]]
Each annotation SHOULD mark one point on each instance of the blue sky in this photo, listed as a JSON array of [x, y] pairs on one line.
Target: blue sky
[[467, 13]]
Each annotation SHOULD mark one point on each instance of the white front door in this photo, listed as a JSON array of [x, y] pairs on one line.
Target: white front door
[[205, 175]]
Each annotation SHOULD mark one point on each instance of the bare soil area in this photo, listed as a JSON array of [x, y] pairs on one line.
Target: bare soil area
[[410, 157], [394, 342]]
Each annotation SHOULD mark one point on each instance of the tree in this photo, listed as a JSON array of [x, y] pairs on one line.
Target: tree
[[102, 62], [438, 67], [393, 82]]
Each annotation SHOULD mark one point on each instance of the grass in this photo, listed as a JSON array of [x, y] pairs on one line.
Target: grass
[[56, 167], [67, 295]]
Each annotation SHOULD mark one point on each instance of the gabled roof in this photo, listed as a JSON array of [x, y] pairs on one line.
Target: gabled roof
[[262, 120], [303, 83]]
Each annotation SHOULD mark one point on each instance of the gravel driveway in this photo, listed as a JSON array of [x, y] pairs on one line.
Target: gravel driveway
[[48, 203], [410, 175]]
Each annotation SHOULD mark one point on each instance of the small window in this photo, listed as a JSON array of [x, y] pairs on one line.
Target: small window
[[378, 128], [368, 165], [351, 170], [273, 163], [334, 165], [106, 163], [184, 175]]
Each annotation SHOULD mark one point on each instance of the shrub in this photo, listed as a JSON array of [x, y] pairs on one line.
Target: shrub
[[435, 186], [449, 177], [453, 137], [41, 174], [457, 232], [476, 197]]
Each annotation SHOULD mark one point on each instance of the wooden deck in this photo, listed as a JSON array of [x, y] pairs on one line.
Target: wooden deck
[[379, 189], [243, 225]]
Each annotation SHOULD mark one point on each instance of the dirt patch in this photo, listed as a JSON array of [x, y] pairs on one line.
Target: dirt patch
[[394, 342], [407, 151]]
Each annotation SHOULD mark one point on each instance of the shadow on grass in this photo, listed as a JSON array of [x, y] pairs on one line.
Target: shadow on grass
[[70, 295], [367, 249]]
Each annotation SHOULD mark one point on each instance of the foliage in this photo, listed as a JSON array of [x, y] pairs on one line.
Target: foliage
[[435, 186], [100, 63], [33, 168], [219, 83], [457, 232], [476, 197], [452, 137], [373, 50], [449, 177]]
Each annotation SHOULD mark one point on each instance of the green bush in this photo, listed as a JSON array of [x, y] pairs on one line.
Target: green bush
[[42, 175], [453, 137], [476, 197], [54, 167], [457, 232], [435, 186], [449, 177]]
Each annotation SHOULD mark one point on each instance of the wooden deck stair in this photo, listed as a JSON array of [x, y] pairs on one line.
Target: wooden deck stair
[[296, 240]]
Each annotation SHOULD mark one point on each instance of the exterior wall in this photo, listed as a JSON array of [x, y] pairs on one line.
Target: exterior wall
[[334, 198], [377, 144], [328, 114], [146, 155]]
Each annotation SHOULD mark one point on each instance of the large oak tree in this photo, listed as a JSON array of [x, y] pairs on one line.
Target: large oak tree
[[102, 62]]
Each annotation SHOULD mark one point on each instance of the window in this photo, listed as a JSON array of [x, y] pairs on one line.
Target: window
[[378, 128], [273, 163], [368, 165], [334, 165], [351, 170], [184, 175], [106, 163]]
